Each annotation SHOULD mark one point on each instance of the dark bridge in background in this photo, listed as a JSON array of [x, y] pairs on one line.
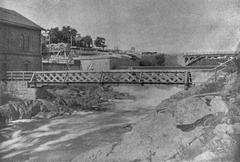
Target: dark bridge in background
[[191, 58]]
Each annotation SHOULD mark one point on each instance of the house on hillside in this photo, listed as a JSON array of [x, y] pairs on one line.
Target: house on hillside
[[20, 43]]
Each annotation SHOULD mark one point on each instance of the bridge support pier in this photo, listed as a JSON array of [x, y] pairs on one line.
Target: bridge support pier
[[19, 89], [188, 80], [186, 86]]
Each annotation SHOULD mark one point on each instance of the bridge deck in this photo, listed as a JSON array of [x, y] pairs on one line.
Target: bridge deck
[[212, 53]]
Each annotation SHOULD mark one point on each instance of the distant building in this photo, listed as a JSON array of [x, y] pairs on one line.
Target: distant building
[[93, 63], [20, 42], [105, 63]]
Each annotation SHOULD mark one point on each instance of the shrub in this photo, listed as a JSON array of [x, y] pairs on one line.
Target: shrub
[[146, 63], [155, 60], [160, 59]]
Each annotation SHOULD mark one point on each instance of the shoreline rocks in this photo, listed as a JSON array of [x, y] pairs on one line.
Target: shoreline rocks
[[58, 101], [215, 120]]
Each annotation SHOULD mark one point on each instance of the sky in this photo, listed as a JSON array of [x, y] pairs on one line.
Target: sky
[[148, 25]]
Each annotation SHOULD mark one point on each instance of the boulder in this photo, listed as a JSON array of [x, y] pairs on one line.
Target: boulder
[[8, 113], [205, 156], [190, 109], [218, 105]]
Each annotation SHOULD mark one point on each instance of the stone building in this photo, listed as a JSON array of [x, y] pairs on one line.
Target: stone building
[[20, 43]]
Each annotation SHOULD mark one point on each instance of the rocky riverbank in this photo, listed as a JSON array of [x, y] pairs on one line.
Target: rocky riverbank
[[58, 101], [198, 125]]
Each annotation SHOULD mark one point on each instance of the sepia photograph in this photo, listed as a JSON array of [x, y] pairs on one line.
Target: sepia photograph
[[119, 80]]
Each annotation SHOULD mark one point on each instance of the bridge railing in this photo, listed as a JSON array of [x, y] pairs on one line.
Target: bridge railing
[[19, 75], [133, 76], [229, 66]]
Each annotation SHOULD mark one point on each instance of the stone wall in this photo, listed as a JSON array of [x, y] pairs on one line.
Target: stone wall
[[18, 89]]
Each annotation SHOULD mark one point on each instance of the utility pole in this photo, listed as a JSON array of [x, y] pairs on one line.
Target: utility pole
[[49, 37]]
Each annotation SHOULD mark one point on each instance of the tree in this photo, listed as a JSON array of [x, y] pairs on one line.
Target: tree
[[68, 34], [55, 35], [145, 63], [160, 59], [100, 42], [152, 60], [64, 35], [85, 42]]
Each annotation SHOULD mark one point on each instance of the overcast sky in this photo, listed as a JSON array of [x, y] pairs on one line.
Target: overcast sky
[[155, 25]]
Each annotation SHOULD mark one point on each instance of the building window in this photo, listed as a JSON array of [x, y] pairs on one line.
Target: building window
[[27, 43], [26, 65], [21, 42]]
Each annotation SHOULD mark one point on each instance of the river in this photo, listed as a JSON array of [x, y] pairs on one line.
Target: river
[[63, 138]]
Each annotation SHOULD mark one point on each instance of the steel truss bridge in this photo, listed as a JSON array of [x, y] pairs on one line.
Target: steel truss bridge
[[193, 57], [41, 78], [164, 75]]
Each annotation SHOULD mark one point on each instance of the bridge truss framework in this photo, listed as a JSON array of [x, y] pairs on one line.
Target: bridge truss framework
[[41, 78]]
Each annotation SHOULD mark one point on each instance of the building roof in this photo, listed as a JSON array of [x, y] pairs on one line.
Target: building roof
[[14, 18]]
